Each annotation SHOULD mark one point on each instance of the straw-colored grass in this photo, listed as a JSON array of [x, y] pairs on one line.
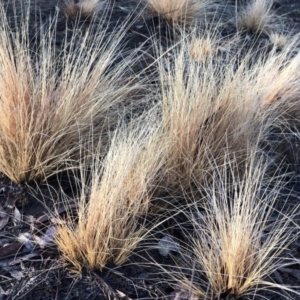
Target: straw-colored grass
[[278, 79], [209, 108], [239, 238], [213, 104], [204, 48], [82, 8], [279, 40], [119, 195], [257, 17], [55, 101], [179, 12]]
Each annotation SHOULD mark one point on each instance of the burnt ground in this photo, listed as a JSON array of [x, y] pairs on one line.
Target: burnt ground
[[36, 271]]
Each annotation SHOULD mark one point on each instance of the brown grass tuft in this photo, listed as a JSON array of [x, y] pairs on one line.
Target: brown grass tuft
[[82, 8], [56, 101], [221, 103], [278, 78], [202, 49], [208, 108], [179, 12], [278, 40], [239, 237], [257, 17], [119, 195]]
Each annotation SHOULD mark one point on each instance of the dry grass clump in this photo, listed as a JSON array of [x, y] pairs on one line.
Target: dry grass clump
[[52, 104], [208, 109], [82, 8], [279, 79], [180, 12], [257, 17], [221, 104], [203, 48], [278, 40], [119, 195], [239, 238]]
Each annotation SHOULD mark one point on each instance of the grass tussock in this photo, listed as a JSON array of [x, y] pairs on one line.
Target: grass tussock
[[56, 101], [221, 103], [239, 238], [278, 40], [202, 49], [208, 108], [119, 195], [82, 8], [279, 80], [257, 17], [179, 12]]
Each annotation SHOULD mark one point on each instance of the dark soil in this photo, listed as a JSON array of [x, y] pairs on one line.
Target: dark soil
[[40, 273]]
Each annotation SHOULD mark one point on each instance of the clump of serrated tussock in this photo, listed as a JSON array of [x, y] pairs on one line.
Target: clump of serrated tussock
[[82, 8], [278, 40], [218, 102], [180, 12], [203, 47], [277, 83], [210, 107], [56, 101], [258, 17], [238, 237], [111, 208]]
